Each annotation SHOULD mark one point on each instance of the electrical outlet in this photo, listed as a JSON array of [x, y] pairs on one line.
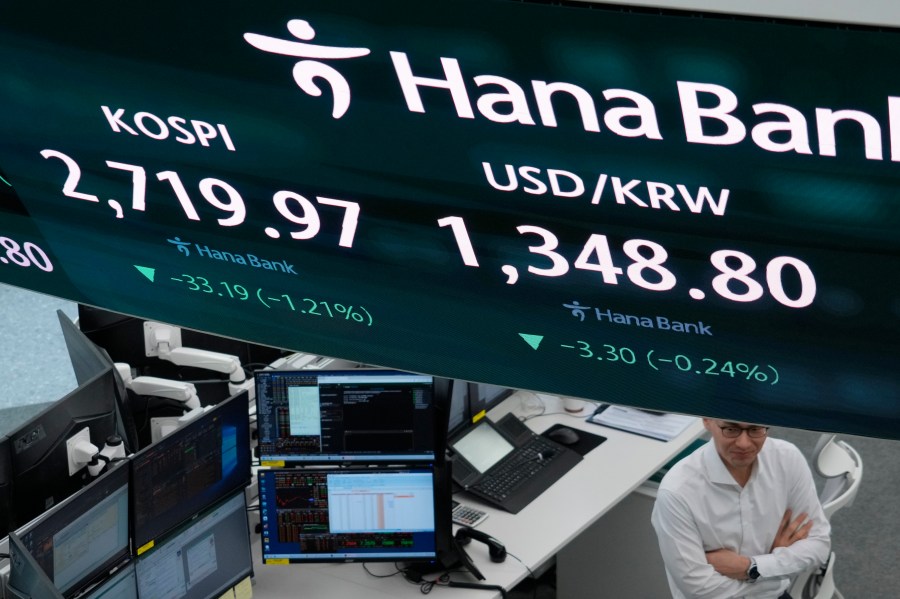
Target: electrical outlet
[[162, 426], [151, 348], [82, 435]]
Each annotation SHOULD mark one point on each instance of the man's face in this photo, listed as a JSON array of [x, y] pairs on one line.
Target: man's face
[[737, 453]]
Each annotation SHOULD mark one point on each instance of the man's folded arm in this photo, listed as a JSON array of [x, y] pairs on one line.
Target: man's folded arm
[[685, 558], [811, 551]]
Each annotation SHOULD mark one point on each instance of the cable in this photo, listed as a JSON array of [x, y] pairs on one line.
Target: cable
[[541, 413], [250, 367], [544, 412], [370, 573], [518, 559], [530, 574]]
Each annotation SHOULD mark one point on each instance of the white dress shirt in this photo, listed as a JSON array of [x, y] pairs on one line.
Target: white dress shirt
[[700, 508]]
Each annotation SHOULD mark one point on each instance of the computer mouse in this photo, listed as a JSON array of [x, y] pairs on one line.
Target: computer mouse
[[564, 436]]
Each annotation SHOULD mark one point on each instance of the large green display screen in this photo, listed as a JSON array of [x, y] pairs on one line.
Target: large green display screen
[[681, 212]]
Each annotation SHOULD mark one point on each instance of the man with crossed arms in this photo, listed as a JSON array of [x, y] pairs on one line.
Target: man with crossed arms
[[739, 517]]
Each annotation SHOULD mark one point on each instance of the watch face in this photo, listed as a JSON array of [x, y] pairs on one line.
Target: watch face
[[753, 573]]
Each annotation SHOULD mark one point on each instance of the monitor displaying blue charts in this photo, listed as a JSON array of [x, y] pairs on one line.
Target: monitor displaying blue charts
[[310, 416], [336, 514]]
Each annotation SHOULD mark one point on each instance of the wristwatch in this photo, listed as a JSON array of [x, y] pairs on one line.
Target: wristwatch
[[752, 571]]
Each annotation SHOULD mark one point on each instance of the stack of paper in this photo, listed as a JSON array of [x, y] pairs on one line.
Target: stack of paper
[[657, 425]]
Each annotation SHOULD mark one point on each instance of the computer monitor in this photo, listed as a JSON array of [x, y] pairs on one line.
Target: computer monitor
[[483, 397], [6, 516], [26, 579], [339, 514], [191, 468], [310, 416], [88, 360], [39, 456], [459, 413], [81, 540], [201, 559], [121, 585]]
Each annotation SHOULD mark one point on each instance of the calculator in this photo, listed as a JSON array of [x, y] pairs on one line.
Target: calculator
[[465, 515]]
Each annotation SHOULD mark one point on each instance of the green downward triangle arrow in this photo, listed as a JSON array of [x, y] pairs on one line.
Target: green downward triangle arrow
[[146, 271], [533, 340]]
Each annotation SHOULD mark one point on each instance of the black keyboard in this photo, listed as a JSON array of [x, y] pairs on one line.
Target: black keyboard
[[518, 468]]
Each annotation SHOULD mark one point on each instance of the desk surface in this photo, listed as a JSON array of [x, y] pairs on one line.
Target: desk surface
[[606, 475]]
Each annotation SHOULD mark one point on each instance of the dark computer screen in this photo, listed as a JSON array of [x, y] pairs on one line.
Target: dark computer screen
[[483, 397], [39, 457], [82, 539], [26, 579], [201, 559], [190, 469], [459, 410], [341, 514], [344, 415], [88, 360]]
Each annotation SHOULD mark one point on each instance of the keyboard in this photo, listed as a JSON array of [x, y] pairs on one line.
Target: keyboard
[[519, 467]]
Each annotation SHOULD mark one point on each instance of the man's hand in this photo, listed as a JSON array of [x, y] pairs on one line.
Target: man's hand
[[729, 563], [789, 532]]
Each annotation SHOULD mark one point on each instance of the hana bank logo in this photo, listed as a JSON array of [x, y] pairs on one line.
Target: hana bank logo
[[306, 71], [183, 246]]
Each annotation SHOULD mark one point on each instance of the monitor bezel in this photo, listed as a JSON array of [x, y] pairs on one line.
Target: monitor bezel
[[39, 582]]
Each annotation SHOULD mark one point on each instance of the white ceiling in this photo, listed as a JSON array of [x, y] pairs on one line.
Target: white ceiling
[[862, 12]]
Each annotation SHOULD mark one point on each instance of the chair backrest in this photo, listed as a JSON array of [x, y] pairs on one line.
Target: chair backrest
[[842, 468]]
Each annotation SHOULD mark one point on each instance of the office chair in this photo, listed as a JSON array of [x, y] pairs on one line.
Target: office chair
[[841, 466]]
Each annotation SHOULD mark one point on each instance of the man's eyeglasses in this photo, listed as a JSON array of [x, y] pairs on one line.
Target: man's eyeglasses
[[754, 432]]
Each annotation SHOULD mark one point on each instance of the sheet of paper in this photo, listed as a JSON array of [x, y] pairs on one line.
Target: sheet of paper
[[243, 589]]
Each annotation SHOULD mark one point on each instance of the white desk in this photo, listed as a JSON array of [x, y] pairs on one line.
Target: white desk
[[535, 535]]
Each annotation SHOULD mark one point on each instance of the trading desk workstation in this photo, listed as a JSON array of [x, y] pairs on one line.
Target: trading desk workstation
[[608, 473], [353, 465]]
